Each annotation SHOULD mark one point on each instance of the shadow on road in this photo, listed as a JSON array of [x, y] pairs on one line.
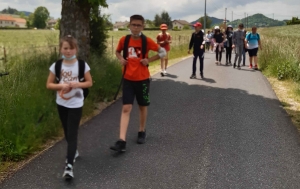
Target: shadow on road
[[197, 137]]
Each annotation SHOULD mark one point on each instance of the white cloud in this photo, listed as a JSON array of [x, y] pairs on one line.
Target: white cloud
[[189, 10]]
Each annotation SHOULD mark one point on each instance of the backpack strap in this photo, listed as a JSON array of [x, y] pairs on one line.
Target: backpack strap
[[144, 45], [81, 67], [57, 70], [125, 48]]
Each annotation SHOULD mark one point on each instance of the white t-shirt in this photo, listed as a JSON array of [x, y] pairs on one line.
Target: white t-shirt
[[69, 73]]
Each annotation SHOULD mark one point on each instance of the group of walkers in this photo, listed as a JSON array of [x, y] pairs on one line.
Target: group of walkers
[[239, 40], [70, 77]]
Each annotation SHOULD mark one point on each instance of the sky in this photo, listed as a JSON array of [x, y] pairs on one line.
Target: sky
[[189, 10]]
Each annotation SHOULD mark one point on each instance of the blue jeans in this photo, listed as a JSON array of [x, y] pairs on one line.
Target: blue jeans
[[200, 55]]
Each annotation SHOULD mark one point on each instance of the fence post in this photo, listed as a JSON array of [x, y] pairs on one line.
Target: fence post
[[112, 45]]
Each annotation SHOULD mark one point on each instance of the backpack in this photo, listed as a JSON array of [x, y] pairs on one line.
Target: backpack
[[81, 67], [126, 43], [250, 34], [125, 54]]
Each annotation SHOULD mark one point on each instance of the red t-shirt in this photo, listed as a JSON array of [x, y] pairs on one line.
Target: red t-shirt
[[162, 37], [135, 70]]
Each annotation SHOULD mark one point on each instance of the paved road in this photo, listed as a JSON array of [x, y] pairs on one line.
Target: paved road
[[226, 131]]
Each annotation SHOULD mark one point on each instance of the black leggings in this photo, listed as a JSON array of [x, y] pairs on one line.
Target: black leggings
[[228, 54], [70, 119], [218, 54]]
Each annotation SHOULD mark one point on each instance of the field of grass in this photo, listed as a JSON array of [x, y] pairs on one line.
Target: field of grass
[[280, 62]]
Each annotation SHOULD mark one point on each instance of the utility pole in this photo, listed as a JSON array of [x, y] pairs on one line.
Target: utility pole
[[247, 21], [204, 28], [225, 17], [232, 16]]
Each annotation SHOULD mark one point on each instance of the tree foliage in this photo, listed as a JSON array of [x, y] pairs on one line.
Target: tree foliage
[[41, 15], [294, 21], [10, 11], [163, 18], [208, 21], [57, 25]]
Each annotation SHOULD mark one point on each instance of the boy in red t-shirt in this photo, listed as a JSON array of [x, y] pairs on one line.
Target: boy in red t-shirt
[[136, 79], [164, 40]]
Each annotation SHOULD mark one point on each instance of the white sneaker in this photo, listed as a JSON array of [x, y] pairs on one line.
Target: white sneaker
[[76, 156], [165, 72], [68, 173]]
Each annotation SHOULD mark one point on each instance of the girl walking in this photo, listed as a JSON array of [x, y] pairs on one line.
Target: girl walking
[[64, 78]]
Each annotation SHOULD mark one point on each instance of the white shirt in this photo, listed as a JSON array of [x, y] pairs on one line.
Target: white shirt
[[69, 73]]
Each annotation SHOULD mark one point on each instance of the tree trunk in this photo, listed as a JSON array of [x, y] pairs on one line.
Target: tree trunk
[[75, 18]]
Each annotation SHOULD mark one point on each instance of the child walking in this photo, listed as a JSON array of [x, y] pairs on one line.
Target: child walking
[[136, 81], [69, 95]]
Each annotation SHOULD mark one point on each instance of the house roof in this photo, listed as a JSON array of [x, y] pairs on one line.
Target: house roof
[[52, 21], [118, 24], [20, 20], [182, 22], [6, 18]]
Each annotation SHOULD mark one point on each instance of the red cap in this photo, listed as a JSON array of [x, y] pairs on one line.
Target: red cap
[[163, 27], [197, 24]]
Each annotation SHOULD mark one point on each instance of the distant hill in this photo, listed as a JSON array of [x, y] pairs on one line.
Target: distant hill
[[26, 13], [215, 21], [258, 20]]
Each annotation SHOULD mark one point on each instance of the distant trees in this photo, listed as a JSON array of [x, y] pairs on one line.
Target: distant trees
[[294, 21], [40, 16], [163, 18], [208, 21]]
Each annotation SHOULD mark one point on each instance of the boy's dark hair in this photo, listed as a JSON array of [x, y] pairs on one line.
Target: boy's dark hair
[[241, 25], [137, 17]]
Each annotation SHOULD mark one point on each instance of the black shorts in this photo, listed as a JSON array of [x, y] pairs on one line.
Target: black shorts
[[138, 89], [252, 52]]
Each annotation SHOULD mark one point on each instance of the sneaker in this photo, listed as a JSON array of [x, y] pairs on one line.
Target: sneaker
[[250, 66], [120, 146], [141, 137], [238, 67], [217, 62], [201, 75], [193, 76], [68, 173], [165, 72], [76, 156], [234, 65], [255, 67]]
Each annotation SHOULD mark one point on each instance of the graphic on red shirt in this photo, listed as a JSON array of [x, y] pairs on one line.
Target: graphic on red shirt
[[135, 70]]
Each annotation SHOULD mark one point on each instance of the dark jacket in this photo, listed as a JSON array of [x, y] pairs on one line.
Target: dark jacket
[[229, 38], [196, 41]]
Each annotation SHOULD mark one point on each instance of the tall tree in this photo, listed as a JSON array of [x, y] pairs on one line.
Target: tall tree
[[157, 20], [41, 15], [208, 21], [163, 18], [75, 20], [166, 19]]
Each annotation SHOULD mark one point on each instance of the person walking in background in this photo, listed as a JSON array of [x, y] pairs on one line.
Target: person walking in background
[[228, 45], [218, 39], [65, 78], [207, 40], [252, 42], [238, 38], [211, 41], [197, 42], [164, 40]]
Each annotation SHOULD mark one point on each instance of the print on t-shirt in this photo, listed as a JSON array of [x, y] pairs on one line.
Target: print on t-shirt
[[134, 52], [66, 77]]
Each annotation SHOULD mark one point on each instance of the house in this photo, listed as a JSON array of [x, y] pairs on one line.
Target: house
[[179, 24], [51, 23], [122, 25], [9, 21]]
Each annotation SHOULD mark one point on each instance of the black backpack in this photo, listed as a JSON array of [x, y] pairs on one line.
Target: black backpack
[[125, 54], [81, 67], [144, 46]]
